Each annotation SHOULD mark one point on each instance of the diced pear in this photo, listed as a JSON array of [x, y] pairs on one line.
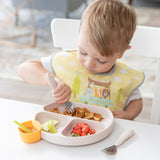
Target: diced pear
[[45, 124], [55, 122], [51, 127], [75, 135]]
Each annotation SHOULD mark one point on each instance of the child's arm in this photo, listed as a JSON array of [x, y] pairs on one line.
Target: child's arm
[[132, 110], [34, 72]]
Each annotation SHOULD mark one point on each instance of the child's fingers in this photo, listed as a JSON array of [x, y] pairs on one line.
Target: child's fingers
[[63, 92], [63, 96], [60, 87], [62, 99]]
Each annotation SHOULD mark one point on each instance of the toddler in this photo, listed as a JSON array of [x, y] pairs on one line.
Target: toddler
[[93, 74]]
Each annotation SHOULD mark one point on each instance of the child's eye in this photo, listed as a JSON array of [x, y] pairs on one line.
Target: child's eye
[[100, 61], [82, 53]]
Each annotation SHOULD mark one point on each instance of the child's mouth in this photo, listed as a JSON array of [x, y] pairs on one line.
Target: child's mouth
[[90, 71]]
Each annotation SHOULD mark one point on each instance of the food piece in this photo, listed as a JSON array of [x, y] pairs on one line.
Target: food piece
[[85, 129], [55, 110], [80, 110], [82, 129], [75, 135], [91, 131], [45, 127], [80, 113], [90, 115], [51, 127], [22, 127], [66, 113], [81, 124], [77, 130], [97, 117], [86, 111]]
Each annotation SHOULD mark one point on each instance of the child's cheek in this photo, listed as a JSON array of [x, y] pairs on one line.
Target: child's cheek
[[80, 58]]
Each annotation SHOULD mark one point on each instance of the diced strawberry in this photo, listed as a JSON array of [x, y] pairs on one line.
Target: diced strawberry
[[91, 131], [82, 129], [77, 127], [78, 131], [81, 124], [85, 129], [83, 134]]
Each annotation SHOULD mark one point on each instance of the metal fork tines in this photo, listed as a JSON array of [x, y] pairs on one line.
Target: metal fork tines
[[69, 106]]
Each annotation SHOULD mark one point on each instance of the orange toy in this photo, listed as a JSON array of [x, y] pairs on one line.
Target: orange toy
[[35, 135]]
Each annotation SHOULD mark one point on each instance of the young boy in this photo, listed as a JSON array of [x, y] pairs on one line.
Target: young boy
[[93, 75]]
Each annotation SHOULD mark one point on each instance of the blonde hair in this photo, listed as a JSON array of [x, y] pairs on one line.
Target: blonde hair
[[110, 25]]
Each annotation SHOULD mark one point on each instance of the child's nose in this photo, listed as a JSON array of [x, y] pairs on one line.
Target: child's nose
[[90, 63]]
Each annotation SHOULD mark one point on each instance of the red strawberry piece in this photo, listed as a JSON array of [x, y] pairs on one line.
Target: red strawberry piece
[[85, 129], [83, 134], [77, 130], [92, 131], [81, 124]]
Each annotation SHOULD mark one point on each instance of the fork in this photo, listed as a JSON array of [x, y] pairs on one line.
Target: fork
[[52, 83]]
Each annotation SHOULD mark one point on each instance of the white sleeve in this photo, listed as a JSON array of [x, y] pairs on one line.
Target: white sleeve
[[135, 95], [46, 62]]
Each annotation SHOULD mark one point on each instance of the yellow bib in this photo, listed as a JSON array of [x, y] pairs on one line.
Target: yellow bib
[[105, 90]]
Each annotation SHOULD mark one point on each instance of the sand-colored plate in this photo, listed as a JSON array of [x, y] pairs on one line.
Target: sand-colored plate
[[63, 137]]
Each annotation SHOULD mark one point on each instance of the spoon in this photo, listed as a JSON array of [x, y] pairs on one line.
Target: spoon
[[123, 137]]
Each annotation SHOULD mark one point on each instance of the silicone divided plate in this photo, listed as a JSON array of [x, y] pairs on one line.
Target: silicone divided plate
[[67, 123]]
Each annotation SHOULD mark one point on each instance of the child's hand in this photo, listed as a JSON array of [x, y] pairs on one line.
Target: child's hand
[[62, 92], [121, 114], [131, 111]]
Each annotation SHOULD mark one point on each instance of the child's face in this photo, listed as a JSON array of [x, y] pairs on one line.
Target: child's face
[[90, 58]]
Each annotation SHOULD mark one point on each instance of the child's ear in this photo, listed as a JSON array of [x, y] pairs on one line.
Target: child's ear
[[129, 47]]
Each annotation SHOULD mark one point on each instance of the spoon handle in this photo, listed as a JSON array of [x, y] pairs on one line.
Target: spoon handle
[[124, 136], [51, 81]]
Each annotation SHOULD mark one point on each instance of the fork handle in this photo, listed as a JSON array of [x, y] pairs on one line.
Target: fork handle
[[124, 136]]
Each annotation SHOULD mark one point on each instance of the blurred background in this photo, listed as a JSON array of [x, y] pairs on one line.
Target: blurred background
[[25, 34]]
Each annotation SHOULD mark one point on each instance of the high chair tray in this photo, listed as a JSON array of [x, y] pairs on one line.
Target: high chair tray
[[66, 124]]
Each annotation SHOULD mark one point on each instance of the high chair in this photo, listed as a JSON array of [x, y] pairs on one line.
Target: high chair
[[145, 42]]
